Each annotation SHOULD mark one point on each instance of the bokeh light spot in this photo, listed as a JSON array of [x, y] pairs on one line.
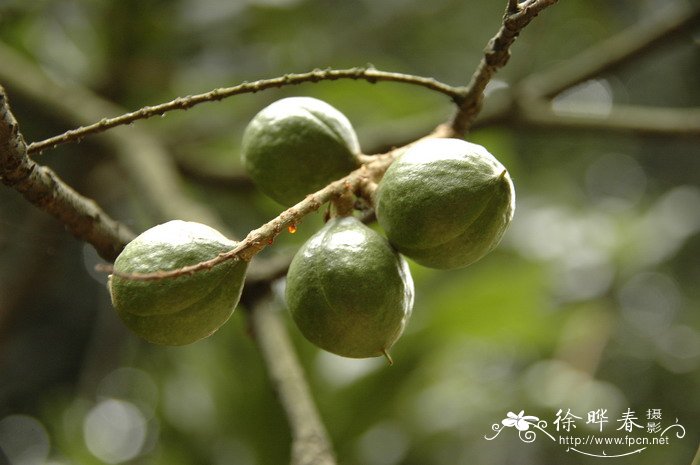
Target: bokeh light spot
[[114, 431], [649, 302], [593, 97], [615, 181], [23, 440]]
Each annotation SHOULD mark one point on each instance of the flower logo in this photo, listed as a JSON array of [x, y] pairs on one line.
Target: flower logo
[[520, 421]]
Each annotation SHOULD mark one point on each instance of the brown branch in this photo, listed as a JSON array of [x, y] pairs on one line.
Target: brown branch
[[183, 103], [263, 236], [496, 55], [258, 239], [356, 182], [42, 187], [310, 442], [614, 52]]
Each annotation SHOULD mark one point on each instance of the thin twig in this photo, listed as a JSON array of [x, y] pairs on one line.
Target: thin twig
[[496, 55], [42, 187], [260, 238], [370, 75]]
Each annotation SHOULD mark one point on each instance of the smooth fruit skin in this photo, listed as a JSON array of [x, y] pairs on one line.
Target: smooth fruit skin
[[297, 145], [348, 291], [445, 203], [181, 310]]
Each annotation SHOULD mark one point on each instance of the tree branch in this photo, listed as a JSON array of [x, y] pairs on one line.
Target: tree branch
[[42, 187], [370, 75], [310, 442], [614, 52], [528, 103], [512, 109], [640, 120], [496, 55], [256, 240], [265, 235]]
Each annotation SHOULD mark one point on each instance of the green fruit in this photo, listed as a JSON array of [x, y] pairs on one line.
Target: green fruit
[[296, 146], [445, 203], [348, 291], [177, 310]]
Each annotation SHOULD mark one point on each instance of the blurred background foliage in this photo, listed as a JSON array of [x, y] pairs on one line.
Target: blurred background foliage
[[590, 302]]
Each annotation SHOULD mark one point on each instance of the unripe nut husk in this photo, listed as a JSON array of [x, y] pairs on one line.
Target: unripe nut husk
[[445, 203], [176, 310], [297, 145], [348, 291]]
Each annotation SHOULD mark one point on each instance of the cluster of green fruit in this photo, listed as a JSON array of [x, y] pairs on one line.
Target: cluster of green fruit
[[444, 203]]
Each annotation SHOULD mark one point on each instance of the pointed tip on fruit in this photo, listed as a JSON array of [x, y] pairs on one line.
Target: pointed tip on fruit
[[389, 360], [502, 175]]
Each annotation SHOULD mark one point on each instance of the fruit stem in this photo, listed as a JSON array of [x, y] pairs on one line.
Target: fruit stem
[[388, 357], [344, 204], [367, 189]]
